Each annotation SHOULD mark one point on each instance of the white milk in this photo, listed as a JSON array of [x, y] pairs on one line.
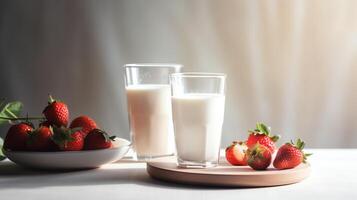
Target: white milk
[[150, 119], [198, 120]]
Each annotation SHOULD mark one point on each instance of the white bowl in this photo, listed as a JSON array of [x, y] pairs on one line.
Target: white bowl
[[70, 160]]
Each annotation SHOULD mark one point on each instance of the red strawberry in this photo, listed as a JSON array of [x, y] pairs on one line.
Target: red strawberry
[[40, 139], [262, 136], [86, 123], [56, 113], [235, 153], [259, 157], [17, 137], [98, 139], [290, 155], [68, 139], [45, 123]]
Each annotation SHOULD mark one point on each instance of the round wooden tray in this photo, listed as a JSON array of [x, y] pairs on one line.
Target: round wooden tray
[[225, 175]]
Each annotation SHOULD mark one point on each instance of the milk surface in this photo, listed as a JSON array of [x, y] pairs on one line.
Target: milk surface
[[198, 120], [150, 119]]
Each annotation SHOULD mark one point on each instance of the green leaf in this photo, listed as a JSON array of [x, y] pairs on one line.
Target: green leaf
[[2, 102], [275, 138], [2, 156], [62, 135], [112, 138], [300, 144], [10, 110], [263, 128], [305, 155]]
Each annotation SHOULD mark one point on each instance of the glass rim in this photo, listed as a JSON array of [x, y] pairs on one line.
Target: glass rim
[[199, 74], [158, 65]]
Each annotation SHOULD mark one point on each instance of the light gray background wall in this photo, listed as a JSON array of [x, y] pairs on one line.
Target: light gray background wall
[[291, 64]]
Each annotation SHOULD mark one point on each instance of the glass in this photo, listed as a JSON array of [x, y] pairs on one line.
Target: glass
[[149, 107], [198, 112]]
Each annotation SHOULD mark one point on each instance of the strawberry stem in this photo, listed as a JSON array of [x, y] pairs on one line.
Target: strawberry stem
[[262, 128], [50, 99], [112, 138], [22, 118]]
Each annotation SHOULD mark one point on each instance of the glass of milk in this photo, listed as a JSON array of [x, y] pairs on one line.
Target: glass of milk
[[149, 107], [198, 111]]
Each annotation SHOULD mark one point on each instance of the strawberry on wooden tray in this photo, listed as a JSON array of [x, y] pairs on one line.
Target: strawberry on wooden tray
[[259, 150]]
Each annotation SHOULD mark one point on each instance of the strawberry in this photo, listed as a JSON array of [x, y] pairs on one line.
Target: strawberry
[[86, 123], [17, 137], [235, 153], [40, 139], [262, 136], [259, 157], [56, 113], [98, 139], [45, 123], [290, 155], [68, 139]]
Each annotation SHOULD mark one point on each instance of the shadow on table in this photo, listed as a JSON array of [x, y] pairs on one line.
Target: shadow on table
[[123, 172]]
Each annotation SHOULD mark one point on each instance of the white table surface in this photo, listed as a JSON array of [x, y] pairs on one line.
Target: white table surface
[[333, 176]]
